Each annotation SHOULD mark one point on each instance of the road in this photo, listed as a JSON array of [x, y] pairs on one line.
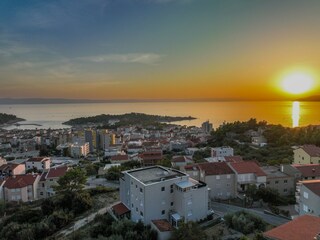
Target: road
[[222, 209]]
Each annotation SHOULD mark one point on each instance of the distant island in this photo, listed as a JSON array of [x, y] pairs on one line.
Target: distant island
[[310, 99], [9, 119], [125, 119]]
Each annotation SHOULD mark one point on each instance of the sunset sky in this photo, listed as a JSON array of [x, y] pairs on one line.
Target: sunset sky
[[156, 49]]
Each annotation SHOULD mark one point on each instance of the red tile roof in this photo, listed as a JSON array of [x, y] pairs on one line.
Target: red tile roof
[[308, 170], [191, 167], [120, 209], [247, 167], [20, 181], [8, 166], [57, 172], [305, 227], [314, 186], [163, 225], [179, 159], [233, 159], [120, 158], [215, 168], [312, 150], [38, 159]]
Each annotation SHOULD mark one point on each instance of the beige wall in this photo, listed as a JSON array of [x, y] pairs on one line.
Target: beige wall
[[301, 157]]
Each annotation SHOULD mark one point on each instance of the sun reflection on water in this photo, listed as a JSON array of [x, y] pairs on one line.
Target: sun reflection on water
[[295, 114]]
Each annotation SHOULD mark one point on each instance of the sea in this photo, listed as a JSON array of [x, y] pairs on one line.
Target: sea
[[286, 113]]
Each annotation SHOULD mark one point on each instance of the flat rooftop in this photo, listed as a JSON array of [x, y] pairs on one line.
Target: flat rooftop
[[155, 174], [274, 172]]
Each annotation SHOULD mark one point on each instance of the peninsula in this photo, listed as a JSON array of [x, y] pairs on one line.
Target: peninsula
[[9, 119], [125, 119]]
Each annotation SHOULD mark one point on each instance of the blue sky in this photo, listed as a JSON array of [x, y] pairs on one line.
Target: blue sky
[[109, 49]]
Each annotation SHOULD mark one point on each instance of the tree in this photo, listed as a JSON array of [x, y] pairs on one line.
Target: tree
[[81, 202], [73, 181], [190, 231]]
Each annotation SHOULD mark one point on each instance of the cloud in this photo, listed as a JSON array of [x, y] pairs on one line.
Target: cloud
[[60, 13], [142, 58]]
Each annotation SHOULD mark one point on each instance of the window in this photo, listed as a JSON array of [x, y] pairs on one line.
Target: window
[[171, 204], [305, 208], [276, 182], [228, 176], [136, 186], [218, 177], [285, 190], [141, 213], [141, 190], [42, 184], [305, 195], [163, 212], [285, 181], [171, 188], [131, 183], [268, 182], [41, 193], [162, 189], [136, 209]]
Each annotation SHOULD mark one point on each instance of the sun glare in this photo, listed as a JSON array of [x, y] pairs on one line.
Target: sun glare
[[297, 83]]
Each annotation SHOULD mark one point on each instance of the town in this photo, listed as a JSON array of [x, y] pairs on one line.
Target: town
[[166, 177]]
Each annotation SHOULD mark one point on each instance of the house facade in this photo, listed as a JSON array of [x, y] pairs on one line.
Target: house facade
[[283, 183], [40, 163], [248, 173], [307, 154], [21, 188], [308, 197]]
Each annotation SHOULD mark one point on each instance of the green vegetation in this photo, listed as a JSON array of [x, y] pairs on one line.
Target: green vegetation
[[42, 220], [245, 222], [279, 140], [105, 227], [190, 231], [125, 120], [114, 172], [9, 118]]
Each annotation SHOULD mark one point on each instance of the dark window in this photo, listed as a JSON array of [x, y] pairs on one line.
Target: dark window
[[141, 190], [141, 213], [285, 181], [162, 189], [171, 203], [163, 212], [276, 182]]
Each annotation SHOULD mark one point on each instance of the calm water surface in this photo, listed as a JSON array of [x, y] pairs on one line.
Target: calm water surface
[[285, 113]]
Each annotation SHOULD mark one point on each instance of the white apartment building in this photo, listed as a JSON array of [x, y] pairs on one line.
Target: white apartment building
[[156, 192], [221, 152], [40, 163]]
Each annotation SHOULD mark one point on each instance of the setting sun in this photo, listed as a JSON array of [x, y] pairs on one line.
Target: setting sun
[[297, 83]]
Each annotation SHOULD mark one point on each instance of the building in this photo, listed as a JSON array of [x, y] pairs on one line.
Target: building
[[304, 227], [39, 163], [248, 173], [163, 228], [283, 183], [307, 154], [78, 150], [119, 158], [221, 152], [50, 179], [206, 127], [181, 161], [154, 193], [308, 171], [308, 197], [12, 169], [151, 158], [220, 179], [21, 188]]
